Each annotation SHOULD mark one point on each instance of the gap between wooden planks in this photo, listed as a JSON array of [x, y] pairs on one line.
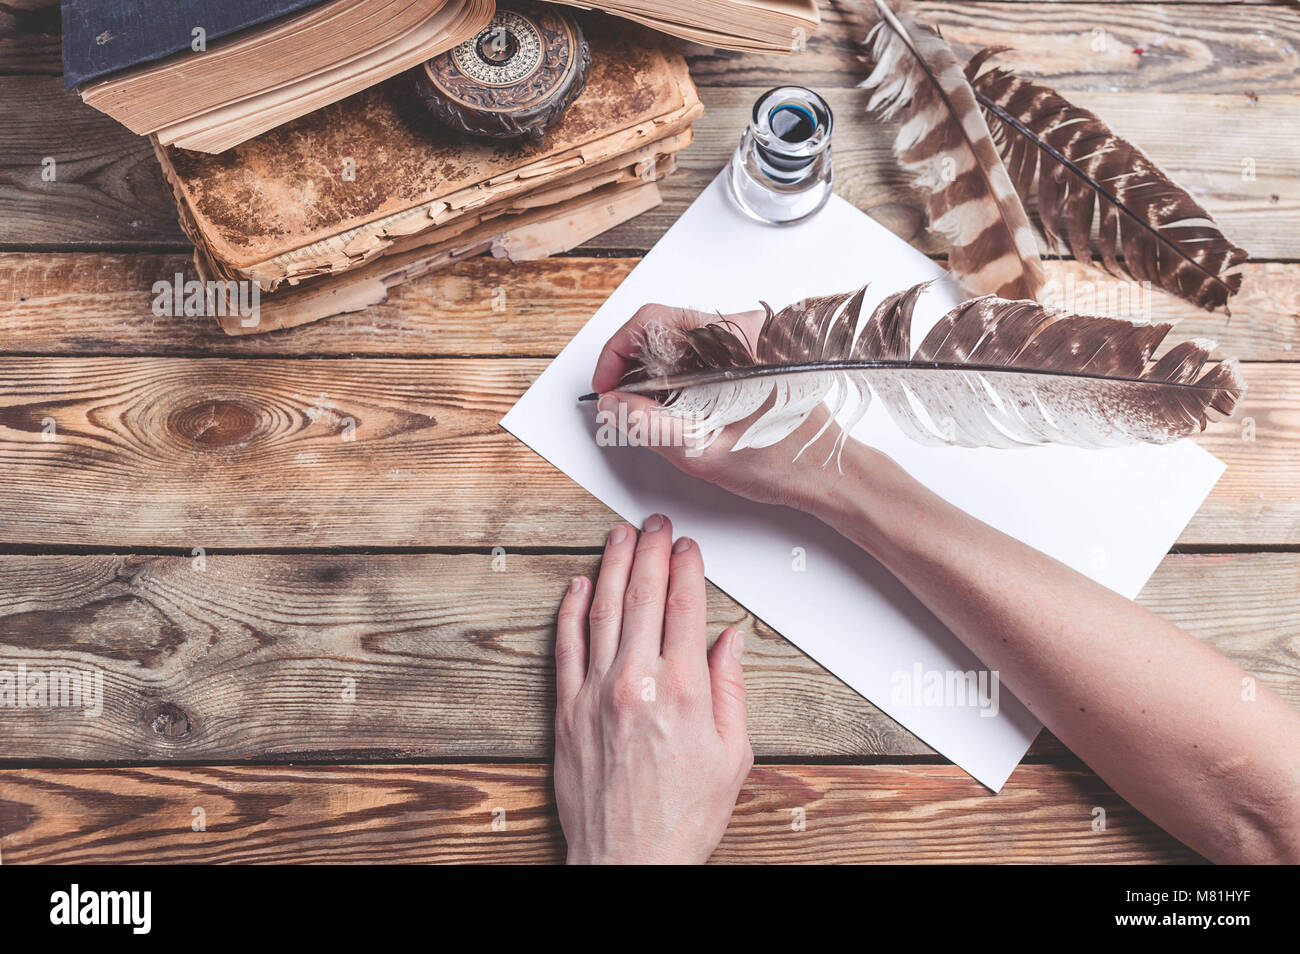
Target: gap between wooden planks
[[446, 813], [447, 656]]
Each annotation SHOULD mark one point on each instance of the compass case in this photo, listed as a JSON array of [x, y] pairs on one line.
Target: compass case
[[515, 79]]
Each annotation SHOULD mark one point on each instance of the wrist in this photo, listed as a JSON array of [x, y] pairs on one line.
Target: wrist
[[854, 498]]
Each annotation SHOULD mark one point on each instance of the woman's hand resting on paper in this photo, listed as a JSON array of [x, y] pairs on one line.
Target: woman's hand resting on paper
[[768, 475], [650, 741]]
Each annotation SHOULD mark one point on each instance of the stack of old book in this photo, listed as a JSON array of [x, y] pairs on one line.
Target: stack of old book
[[326, 212], [302, 166]]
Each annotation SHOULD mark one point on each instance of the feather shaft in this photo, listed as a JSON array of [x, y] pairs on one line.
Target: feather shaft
[[676, 382]]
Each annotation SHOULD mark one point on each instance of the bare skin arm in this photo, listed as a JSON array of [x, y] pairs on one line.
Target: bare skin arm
[[1158, 715]]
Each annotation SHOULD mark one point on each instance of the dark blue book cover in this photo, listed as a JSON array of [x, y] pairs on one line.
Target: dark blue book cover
[[101, 37]]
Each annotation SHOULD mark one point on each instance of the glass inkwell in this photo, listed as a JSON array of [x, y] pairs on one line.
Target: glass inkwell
[[781, 173]]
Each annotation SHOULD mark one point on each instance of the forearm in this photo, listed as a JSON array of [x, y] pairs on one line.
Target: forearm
[[1161, 717]]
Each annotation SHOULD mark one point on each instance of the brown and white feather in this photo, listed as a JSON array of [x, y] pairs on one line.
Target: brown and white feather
[[990, 373], [946, 144], [1081, 172]]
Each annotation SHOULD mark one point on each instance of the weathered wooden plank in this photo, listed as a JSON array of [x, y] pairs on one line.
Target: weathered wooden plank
[[1193, 47], [30, 37], [110, 193], [241, 454], [87, 303], [106, 189], [283, 657], [75, 303], [1142, 48], [505, 813]]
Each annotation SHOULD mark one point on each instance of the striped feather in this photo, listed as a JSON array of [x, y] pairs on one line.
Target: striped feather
[[1077, 168], [945, 143]]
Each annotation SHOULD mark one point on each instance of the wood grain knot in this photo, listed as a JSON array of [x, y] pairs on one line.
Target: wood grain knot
[[168, 720], [215, 423]]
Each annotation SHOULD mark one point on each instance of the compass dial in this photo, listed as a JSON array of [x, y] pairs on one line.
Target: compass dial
[[509, 50]]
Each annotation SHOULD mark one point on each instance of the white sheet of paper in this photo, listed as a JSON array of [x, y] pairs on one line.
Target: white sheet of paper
[[1111, 514]]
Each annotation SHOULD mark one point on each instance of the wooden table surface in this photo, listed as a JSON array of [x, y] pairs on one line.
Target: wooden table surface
[[321, 649]]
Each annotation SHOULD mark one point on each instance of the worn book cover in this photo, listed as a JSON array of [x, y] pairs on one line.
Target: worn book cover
[[338, 186], [525, 235], [647, 163], [107, 36]]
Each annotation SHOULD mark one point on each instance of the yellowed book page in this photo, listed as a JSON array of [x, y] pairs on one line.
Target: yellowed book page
[[248, 63], [761, 26], [220, 129]]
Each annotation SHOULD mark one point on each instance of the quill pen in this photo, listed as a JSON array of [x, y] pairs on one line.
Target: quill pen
[[990, 373]]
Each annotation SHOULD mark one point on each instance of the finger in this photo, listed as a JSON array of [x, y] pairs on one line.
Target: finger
[[686, 610], [571, 640], [606, 616], [647, 590], [620, 351], [727, 680], [643, 423]]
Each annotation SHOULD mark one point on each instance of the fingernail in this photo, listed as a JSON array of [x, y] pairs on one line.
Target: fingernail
[[576, 584], [682, 545], [654, 523], [607, 403], [738, 643], [617, 535]]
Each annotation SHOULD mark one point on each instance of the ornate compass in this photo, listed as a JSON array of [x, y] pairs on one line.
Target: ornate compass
[[514, 79]]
